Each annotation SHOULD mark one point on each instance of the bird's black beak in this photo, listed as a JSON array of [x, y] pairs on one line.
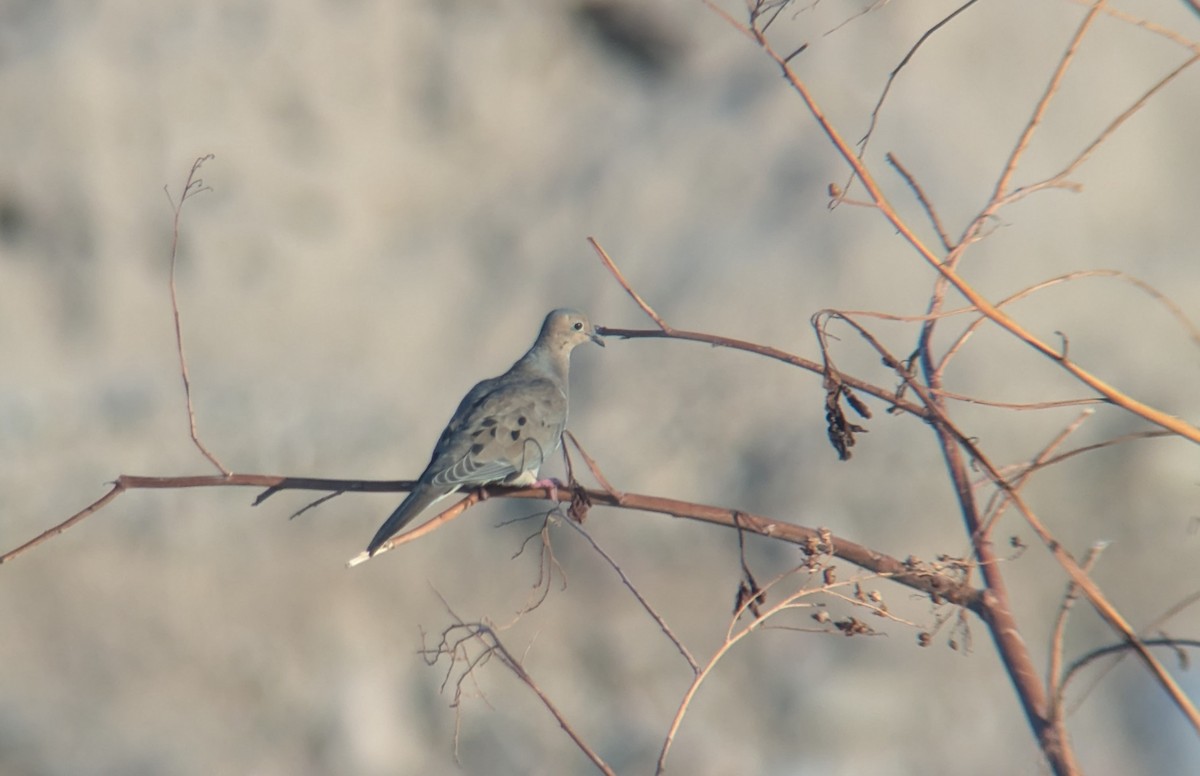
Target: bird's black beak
[[595, 337]]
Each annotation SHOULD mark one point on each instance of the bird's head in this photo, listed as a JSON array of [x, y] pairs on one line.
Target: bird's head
[[565, 328]]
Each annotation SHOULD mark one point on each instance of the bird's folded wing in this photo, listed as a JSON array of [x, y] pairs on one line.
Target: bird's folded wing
[[502, 430]]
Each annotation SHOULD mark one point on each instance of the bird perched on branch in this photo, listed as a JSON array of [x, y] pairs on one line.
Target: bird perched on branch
[[505, 427]]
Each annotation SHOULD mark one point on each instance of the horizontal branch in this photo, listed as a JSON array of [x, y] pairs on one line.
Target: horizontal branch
[[911, 573]]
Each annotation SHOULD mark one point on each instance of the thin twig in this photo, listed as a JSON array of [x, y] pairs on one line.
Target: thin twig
[[776, 354], [650, 610], [1022, 405], [191, 188], [1154, 625], [735, 635], [547, 564], [515, 666], [926, 205], [1054, 672], [996, 510], [1117, 440], [1151, 27], [616, 273], [429, 526], [492, 645], [593, 467], [1060, 179], [1118, 649], [116, 490], [887, 87], [1174, 309], [1039, 112]]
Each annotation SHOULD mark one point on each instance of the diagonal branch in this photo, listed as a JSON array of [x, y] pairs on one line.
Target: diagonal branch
[[612, 267], [1010, 167], [772, 353], [492, 646]]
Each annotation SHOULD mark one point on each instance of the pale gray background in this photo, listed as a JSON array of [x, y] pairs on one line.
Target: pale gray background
[[400, 191]]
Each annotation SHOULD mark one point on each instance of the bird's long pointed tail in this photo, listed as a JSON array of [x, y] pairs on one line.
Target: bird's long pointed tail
[[421, 497]]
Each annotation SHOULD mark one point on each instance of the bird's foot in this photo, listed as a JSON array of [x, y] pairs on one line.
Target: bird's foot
[[551, 484]]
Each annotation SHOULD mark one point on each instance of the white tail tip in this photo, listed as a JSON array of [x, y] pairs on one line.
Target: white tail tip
[[362, 557]]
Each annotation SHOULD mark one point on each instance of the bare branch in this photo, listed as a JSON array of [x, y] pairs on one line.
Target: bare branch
[[1174, 309], [641, 599], [1060, 180], [1054, 672], [191, 188], [926, 205], [909, 573], [887, 87], [616, 273], [491, 645], [593, 467], [1151, 414], [790, 602], [1001, 501], [1035, 120], [886, 395]]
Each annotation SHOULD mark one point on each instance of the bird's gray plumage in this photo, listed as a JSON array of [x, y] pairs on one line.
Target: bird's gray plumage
[[505, 427]]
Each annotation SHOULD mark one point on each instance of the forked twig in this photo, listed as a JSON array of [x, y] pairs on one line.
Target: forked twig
[[593, 467], [1054, 672], [1153, 626], [1174, 309], [547, 565], [1039, 112], [1060, 179], [491, 644], [1000, 500], [1151, 27], [735, 635], [1120, 649]]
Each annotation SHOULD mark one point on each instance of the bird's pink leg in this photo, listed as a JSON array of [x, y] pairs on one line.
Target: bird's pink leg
[[551, 484]]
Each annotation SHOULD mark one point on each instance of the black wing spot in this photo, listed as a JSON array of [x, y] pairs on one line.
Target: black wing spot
[[521, 421], [493, 433], [515, 435], [476, 449], [489, 422]]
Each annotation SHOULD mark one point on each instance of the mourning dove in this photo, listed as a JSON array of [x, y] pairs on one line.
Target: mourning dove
[[505, 427]]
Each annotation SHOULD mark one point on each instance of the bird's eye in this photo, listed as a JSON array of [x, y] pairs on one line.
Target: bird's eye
[[578, 325]]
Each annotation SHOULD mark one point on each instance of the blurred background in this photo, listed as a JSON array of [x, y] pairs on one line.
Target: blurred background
[[400, 191]]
